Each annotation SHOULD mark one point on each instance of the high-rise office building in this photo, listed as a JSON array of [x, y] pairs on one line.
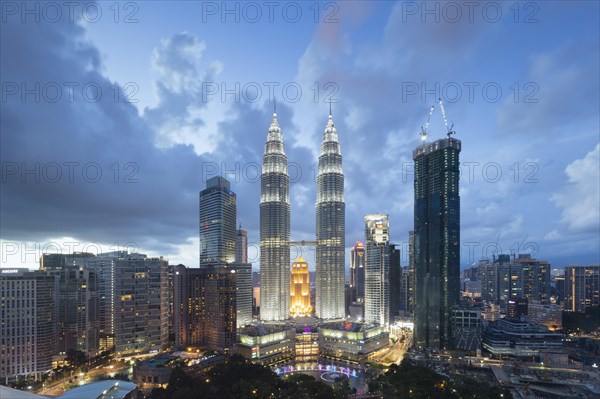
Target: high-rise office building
[[536, 278], [395, 283], [411, 272], [582, 287], [300, 289], [141, 304], [206, 306], [504, 279], [559, 288], [27, 323], [217, 222], [487, 277], [377, 269], [76, 301], [437, 240], [244, 293], [330, 215], [182, 308], [105, 264], [171, 293], [77, 305], [357, 272], [241, 247], [404, 289], [275, 228]]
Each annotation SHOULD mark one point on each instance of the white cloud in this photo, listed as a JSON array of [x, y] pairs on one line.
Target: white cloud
[[185, 114], [580, 198], [553, 235]]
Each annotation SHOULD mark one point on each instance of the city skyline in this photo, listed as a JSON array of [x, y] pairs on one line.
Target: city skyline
[[527, 207], [343, 199]]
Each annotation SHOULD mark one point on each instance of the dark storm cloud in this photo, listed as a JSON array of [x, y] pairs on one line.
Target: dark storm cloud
[[95, 173]]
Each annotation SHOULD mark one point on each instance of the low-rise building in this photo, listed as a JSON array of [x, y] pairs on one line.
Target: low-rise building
[[267, 344], [307, 343], [466, 328], [152, 373], [516, 338], [351, 342], [549, 315]]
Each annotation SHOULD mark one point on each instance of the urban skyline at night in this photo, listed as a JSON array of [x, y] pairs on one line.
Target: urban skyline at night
[[281, 200], [509, 156]]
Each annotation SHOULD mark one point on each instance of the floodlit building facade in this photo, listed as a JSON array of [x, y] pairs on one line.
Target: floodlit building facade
[[330, 223], [300, 289], [275, 228]]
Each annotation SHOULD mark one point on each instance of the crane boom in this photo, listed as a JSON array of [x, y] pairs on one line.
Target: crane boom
[[449, 129], [424, 129]]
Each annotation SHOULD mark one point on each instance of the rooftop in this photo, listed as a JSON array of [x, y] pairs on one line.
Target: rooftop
[[107, 389]]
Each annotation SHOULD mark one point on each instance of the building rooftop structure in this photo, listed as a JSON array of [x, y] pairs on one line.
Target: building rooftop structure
[[519, 338], [107, 389], [11, 393], [349, 326]]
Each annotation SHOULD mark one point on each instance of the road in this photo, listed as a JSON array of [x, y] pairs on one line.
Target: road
[[392, 354], [58, 387]]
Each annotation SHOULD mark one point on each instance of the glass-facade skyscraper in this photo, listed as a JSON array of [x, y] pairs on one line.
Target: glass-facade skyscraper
[[357, 272], [395, 282], [331, 211], [241, 249], [218, 233], [274, 228], [437, 240]]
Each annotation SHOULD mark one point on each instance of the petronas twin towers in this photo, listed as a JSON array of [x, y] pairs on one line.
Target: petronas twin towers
[[275, 228]]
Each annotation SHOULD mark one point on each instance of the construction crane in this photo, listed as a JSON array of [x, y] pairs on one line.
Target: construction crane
[[449, 129], [424, 129]]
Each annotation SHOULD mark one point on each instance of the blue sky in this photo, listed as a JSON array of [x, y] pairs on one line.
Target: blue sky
[[520, 81]]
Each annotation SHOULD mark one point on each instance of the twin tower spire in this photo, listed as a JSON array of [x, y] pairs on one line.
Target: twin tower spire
[[275, 228]]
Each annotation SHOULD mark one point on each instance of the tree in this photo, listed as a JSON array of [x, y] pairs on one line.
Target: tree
[[238, 378], [76, 358]]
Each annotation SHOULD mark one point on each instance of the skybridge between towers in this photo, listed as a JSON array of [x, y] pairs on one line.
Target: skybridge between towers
[[303, 243]]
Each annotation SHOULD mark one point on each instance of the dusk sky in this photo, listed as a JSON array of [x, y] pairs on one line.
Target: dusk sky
[[84, 169]]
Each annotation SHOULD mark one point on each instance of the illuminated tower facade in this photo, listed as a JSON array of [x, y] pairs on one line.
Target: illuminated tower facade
[[275, 228], [330, 212], [377, 269], [300, 289]]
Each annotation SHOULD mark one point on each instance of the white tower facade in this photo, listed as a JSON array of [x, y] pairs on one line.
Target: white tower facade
[[274, 229], [331, 215]]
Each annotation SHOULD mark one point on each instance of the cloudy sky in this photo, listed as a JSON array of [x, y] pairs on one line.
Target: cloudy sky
[[114, 114]]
